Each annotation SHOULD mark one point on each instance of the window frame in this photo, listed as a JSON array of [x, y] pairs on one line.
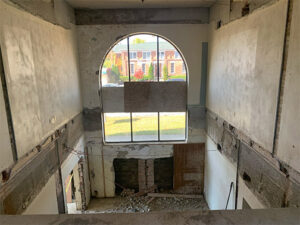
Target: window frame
[[144, 67], [146, 52], [172, 63], [132, 71], [157, 73], [132, 53], [162, 53]]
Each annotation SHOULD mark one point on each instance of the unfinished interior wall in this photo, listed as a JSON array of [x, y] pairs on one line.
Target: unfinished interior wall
[[101, 158], [70, 164], [45, 202], [94, 41], [244, 69], [245, 66], [40, 61], [288, 148], [42, 76], [6, 158], [219, 173]]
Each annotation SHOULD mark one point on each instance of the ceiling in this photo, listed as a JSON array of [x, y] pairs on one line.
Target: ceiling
[[117, 4]]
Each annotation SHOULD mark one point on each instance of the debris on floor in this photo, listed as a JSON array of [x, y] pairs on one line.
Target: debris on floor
[[128, 202]]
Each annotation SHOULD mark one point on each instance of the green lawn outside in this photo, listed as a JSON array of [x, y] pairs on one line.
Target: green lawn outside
[[145, 125]]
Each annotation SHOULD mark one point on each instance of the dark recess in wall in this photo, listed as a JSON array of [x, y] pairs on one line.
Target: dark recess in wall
[[126, 174], [163, 173]]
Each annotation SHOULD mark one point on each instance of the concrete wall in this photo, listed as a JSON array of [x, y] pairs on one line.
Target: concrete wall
[[53, 11], [289, 142], [40, 61], [46, 201], [6, 158], [244, 69], [219, 173]]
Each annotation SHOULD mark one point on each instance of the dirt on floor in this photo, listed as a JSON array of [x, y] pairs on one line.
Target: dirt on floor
[[131, 204]]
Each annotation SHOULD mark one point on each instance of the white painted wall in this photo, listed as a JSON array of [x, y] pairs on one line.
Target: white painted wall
[[46, 201], [6, 158], [244, 69], [95, 40], [40, 61], [289, 141], [218, 175]]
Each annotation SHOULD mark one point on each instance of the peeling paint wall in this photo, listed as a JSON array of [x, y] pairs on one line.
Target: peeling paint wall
[[40, 61]]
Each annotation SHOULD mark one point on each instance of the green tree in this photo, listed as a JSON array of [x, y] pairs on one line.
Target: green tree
[[151, 72], [165, 72], [107, 63], [138, 41], [114, 74]]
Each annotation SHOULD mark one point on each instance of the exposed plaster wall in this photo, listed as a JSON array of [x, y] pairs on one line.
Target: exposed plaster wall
[[6, 158], [45, 202], [40, 61], [219, 173], [225, 11], [95, 40], [101, 159], [244, 69], [54, 11], [289, 143]]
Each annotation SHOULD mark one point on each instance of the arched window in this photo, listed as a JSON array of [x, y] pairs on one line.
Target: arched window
[[143, 84]]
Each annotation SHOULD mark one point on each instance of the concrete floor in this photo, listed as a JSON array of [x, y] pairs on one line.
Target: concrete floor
[[145, 204]]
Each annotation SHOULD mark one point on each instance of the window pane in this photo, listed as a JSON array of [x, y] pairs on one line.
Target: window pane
[[145, 126], [115, 67], [172, 126], [172, 65], [143, 48], [117, 127]]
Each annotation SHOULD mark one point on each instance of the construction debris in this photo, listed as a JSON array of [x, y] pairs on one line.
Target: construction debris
[[164, 195]]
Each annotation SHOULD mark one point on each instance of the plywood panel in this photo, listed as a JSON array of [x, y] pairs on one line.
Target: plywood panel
[[155, 96], [189, 168]]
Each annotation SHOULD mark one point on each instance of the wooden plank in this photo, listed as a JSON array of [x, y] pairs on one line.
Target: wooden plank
[[155, 96], [163, 195], [189, 168]]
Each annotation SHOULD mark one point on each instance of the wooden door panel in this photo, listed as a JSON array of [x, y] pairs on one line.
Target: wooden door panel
[[189, 168]]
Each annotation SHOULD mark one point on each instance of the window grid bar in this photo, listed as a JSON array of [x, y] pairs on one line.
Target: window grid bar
[[129, 78], [158, 115]]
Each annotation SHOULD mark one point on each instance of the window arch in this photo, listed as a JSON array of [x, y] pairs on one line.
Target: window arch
[[146, 59]]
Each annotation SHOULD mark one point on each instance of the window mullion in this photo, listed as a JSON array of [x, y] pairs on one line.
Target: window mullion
[[158, 115], [129, 78]]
